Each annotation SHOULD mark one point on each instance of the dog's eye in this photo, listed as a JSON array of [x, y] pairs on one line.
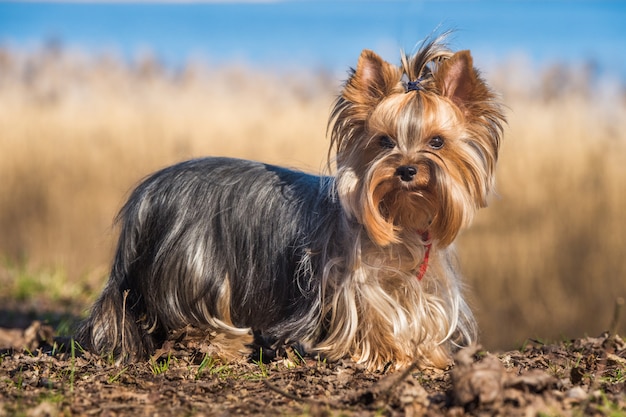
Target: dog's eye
[[436, 142], [386, 142]]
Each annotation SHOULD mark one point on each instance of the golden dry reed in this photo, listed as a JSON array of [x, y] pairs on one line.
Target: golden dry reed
[[546, 260]]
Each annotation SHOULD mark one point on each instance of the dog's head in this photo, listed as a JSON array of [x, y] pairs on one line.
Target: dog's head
[[416, 144]]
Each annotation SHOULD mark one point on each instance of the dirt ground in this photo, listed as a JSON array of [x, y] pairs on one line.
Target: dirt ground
[[41, 375]]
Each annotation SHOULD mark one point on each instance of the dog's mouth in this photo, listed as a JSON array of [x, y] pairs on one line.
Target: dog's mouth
[[408, 206], [402, 198]]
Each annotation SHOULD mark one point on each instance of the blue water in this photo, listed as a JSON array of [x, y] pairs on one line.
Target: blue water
[[325, 34]]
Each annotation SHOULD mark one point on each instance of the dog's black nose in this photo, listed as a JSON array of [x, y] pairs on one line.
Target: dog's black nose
[[406, 172]]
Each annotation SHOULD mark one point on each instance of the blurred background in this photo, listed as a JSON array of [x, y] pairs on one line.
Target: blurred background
[[95, 96]]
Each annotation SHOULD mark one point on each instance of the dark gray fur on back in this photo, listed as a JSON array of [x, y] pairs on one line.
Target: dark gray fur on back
[[187, 228]]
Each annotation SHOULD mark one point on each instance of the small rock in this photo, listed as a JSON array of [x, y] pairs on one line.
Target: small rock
[[576, 393]]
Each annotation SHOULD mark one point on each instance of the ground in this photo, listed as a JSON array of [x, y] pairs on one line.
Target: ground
[[43, 375]]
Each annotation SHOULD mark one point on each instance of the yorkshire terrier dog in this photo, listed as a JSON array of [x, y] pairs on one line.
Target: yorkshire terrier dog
[[358, 265]]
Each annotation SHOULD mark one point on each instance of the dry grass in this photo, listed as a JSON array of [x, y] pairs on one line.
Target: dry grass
[[545, 260]]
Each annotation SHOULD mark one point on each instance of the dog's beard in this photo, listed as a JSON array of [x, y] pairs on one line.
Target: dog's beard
[[389, 208], [397, 206]]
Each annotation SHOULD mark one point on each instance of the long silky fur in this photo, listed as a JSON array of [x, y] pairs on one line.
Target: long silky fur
[[217, 243], [259, 252], [236, 246]]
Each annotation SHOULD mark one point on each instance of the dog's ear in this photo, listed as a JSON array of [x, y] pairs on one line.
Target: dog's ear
[[371, 81], [458, 80]]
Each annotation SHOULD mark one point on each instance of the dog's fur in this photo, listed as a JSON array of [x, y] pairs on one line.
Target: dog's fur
[[359, 265]]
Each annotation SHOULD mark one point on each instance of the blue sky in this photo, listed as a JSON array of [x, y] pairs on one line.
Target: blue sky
[[327, 34]]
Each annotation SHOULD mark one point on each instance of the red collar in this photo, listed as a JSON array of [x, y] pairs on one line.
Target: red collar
[[424, 265]]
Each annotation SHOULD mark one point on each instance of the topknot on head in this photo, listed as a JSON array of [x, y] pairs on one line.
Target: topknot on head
[[418, 70]]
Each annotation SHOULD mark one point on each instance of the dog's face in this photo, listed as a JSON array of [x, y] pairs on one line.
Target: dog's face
[[417, 159]]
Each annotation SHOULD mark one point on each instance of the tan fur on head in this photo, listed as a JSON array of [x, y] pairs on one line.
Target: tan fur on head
[[453, 103]]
